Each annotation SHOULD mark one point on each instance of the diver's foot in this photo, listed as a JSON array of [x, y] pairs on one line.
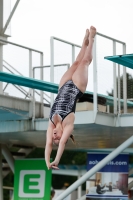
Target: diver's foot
[[92, 32], [86, 38]]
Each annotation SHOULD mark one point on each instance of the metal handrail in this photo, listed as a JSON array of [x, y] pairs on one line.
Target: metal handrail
[[18, 45], [67, 42], [110, 38], [94, 66]]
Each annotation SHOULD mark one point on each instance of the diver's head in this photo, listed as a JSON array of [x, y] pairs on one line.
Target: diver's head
[[57, 134]]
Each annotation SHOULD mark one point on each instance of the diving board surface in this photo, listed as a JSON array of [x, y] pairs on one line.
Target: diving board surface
[[125, 60], [29, 82], [45, 86]]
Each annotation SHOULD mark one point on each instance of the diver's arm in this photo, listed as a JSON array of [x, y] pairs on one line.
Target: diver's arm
[[66, 134], [48, 147]]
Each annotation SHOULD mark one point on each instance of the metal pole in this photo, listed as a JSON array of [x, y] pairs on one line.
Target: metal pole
[[52, 67], [30, 71], [41, 92], [96, 168], [33, 105], [79, 188], [9, 158], [94, 79], [10, 17], [1, 67], [1, 46], [1, 177], [73, 53], [114, 79], [124, 83], [119, 90]]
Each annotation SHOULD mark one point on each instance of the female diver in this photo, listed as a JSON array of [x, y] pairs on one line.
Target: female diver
[[72, 86]]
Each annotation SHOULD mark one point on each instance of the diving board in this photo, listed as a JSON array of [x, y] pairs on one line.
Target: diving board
[[29, 82], [46, 86], [125, 60]]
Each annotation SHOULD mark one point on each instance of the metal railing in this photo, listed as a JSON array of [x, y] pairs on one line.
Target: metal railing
[[42, 93], [116, 98], [52, 58], [30, 58], [31, 93]]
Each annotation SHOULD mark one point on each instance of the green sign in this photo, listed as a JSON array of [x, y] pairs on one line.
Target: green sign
[[32, 180]]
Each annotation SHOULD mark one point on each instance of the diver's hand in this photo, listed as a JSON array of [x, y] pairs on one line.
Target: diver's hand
[[54, 165], [48, 165]]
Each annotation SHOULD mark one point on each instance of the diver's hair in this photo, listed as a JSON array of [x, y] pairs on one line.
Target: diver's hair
[[72, 138]]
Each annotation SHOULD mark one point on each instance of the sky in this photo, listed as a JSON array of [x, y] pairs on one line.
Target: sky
[[35, 21]]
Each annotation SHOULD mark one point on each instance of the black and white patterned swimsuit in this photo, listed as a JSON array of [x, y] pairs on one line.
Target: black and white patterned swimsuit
[[65, 102]]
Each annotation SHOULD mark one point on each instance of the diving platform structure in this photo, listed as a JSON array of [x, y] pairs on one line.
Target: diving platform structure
[[101, 127]]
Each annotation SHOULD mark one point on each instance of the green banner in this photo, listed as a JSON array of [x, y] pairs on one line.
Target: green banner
[[32, 180]]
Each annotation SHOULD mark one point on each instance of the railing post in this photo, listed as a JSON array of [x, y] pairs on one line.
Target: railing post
[[119, 91], [41, 92], [95, 79], [124, 83], [73, 53], [1, 46], [114, 79], [33, 103], [1, 177], [30, 71], [52, 66], [1, 67]]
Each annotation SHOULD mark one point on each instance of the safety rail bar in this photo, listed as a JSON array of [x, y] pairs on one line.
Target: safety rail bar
[[95, 90], [116, 107], [30, 59], [18, 45]]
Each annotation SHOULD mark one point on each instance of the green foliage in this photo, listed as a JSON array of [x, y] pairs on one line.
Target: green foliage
[[129, 87]]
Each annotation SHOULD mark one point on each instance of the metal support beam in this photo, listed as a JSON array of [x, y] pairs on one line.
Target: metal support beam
[[1, 15], [119, 90], [10, 17], [1, 67], [30, 70], [1, 178], [41, 92], [114, 80], [9, 158], [124, 83], [96, 168], [73, 53], [1, 46]]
